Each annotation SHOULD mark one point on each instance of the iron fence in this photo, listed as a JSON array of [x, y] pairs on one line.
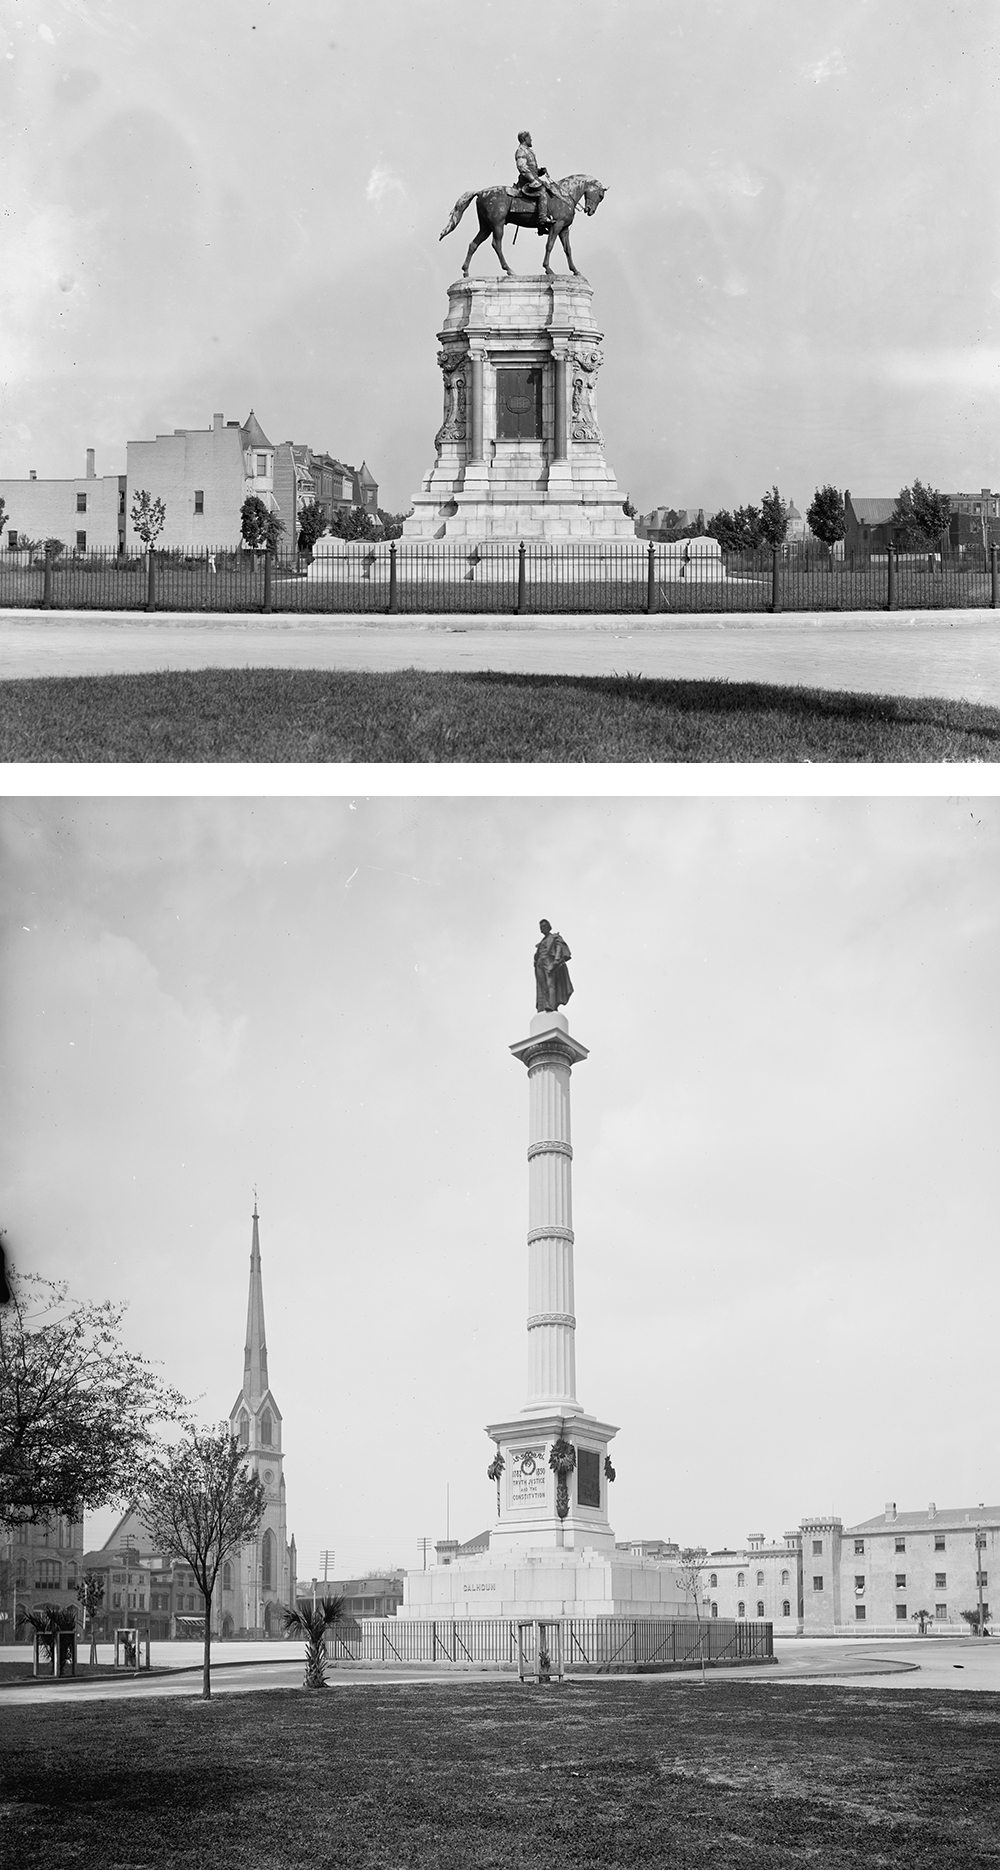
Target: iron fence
[[409, 578], [588, 1642]]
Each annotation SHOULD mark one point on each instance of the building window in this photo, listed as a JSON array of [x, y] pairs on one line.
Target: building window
[[227, 1576], [740, 1577], [12, 541], [760, 1606], [142, 1600], [715, 1610], [818, 1583], [939, 1542], [859, 1582], [786, 1608], [981, 1578], [199, 499], [760, 1577], [244, 1430], [784, 1577], [741, 1609], [267, 1561], [81, 503], [860, 1613], [901, 1545], [261, 467], [941, 1579], [714, 1581], [900, 1613], [817, 1548], [81, 542], [266, 1429], [47, 1571], [116, 1600], [859, 1548], [941, 1610], [21, 1571], [121, 500], [901, 1581]]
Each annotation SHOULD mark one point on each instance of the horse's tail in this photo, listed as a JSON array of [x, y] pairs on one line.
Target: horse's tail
[[457, 212]]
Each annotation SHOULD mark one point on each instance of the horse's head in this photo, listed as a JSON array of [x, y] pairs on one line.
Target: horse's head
[[593, 195]]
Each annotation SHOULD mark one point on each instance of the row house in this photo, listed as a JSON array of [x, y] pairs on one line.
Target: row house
[[82, 514]]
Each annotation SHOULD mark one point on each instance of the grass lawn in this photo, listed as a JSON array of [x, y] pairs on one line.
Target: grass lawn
[[599, 1776], [311, 715]]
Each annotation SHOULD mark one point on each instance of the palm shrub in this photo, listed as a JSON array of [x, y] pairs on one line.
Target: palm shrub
[[47, 1622], [312, 1624]]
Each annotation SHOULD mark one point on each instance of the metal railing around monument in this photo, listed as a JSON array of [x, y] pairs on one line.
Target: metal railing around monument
[[588, 1642], [410, 578]]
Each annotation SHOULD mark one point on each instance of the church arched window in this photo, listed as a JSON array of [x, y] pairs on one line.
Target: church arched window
[[266, 1429], [227, 1576], [244, 1429], [267, 1562]]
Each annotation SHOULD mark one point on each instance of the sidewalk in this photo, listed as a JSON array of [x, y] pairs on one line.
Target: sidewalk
[[953, 654]]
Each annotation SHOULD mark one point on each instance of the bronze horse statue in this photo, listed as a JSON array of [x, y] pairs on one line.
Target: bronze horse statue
[[500, 206]]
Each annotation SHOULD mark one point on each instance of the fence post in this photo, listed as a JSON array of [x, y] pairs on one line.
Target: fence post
[[651, 592], [47, 599], [268, 563], [393, 597], [522, 580], [775, 579], [150, 579], [994, 578], [891, 581]]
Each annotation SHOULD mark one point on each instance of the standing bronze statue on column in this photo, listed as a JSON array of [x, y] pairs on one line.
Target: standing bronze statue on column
[[552, 982]]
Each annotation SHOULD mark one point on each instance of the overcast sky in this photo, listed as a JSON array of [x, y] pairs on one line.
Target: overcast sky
[[785, 1135], [796, 265]]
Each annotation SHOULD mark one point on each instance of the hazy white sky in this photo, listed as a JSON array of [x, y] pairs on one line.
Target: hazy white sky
[[796, 264], [785, 1135]]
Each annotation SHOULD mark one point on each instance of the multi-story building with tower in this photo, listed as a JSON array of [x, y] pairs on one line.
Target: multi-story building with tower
[[258, 1581]]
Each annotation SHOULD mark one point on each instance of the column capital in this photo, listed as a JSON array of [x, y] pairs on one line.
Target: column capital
[[549, 1043]]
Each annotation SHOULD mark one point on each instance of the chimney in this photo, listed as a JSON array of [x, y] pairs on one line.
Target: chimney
[[31, 474], [890, 1511], [218, 421], [931, 1511], [91, 470]]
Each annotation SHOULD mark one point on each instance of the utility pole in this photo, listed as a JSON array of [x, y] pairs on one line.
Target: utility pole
[[422, 1546], [327, 1560], [980, 1548]]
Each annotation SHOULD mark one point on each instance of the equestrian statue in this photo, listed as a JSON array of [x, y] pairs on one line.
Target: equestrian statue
[[535, 202]]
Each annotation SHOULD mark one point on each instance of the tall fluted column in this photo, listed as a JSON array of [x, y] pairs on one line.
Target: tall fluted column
[[550, 1054]]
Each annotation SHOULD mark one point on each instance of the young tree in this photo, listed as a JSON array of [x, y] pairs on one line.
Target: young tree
[[972, 1618], [4, 515], [90, 1594], [773, 519], [54, 548], [312, 525], [687, 1573], [354, 524], [312, 1623], [827, 517], [148, 517], [741, 531], [200, 1504], [260, 525], [78, 1411], [923, 1617], [921, 516]]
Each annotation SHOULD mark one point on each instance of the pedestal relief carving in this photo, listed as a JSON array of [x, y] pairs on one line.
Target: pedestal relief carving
[[453, 427], [586, 364]]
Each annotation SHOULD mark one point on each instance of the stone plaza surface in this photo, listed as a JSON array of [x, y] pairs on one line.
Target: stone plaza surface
[[952, 654]]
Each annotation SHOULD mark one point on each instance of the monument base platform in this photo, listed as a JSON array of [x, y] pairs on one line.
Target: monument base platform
[[545, 1584]]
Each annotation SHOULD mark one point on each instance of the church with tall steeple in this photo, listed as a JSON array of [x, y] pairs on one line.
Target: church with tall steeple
[[260, 1580]]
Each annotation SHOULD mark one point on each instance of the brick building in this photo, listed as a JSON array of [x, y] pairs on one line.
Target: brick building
[[84, 513], [203, 477], [38, 1565], [301, 475]]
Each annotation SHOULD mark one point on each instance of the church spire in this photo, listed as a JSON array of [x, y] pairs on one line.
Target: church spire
[[255, 1354]]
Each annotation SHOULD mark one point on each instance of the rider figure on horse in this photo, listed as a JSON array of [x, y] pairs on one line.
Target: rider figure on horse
[[531, 179]]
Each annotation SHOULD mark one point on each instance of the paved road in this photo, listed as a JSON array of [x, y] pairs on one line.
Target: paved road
[[963, 1664], [947, 653]]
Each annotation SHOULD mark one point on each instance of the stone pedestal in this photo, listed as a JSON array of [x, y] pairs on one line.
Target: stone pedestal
[[519, 452]]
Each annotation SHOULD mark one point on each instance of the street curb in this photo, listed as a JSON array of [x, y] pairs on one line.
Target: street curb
[[458, 624]]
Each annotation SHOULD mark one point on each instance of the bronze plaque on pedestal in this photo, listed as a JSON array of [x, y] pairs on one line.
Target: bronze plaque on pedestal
[[519, 405]]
